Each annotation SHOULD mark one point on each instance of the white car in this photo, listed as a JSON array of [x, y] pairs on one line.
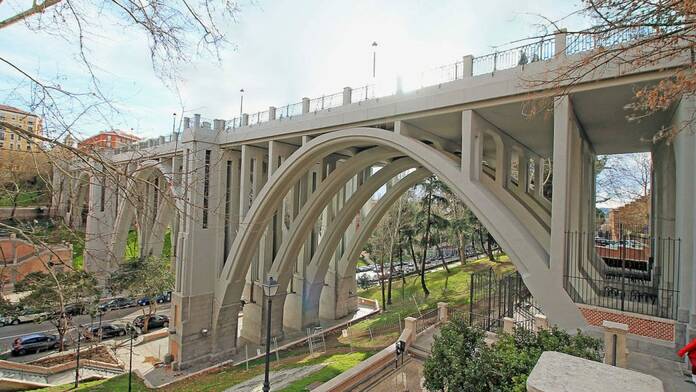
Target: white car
[[25, 316]]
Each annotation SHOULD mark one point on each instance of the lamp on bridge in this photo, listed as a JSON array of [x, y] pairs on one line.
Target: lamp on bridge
[[270, 288]]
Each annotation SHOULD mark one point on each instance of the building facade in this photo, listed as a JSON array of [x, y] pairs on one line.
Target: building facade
[[107, 139], [11, 140]]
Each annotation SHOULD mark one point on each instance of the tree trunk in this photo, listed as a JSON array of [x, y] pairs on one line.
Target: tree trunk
[[442, 259], [489, 248], [381, 281], [426, 241], [413, 254], [391, 272]]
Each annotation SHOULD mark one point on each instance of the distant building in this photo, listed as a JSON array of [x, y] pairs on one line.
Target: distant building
[[18, 258], [633, 216], [107, 139], [10, 139]]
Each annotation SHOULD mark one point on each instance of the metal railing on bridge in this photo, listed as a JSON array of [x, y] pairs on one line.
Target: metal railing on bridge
[[541, 50]]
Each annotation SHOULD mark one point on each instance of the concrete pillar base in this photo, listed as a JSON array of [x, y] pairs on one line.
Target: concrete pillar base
[[192, 340], [254, 319]]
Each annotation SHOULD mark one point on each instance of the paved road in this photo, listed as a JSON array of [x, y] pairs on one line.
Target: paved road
[[10, 332]]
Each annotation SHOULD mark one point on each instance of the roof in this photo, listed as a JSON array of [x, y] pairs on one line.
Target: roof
[[113, 132], [13, 109]]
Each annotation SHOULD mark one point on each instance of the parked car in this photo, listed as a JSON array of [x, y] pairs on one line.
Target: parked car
[[34, 343], [156, 321], [117, 303], [160, 299], [24, 316], [107, 331], [75, 309]]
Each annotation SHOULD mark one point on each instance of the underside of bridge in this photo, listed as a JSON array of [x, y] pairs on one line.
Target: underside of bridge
[[288, 199]]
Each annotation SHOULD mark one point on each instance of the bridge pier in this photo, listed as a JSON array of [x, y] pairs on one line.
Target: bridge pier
[[196, 337], [99, 228]]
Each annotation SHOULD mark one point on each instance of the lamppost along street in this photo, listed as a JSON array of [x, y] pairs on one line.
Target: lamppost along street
[[374, 58], [131, 329], [269, 288], [241, 103], [77, 357]]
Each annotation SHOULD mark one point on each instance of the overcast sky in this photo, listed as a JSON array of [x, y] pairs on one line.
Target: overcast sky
[[281, 51]]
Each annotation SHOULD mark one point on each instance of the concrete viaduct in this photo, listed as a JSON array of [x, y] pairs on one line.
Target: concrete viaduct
[[282, 193]]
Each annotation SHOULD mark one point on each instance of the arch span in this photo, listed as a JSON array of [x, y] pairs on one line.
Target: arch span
[[529, 256], [127, 211]]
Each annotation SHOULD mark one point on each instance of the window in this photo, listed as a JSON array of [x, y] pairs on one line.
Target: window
[[206, 188], [12, 136], [28, 147]]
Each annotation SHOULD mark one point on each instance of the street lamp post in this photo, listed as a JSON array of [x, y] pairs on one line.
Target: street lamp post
[[374, 59], [130, 359], [269, 288], [241, 103], [77, 357]]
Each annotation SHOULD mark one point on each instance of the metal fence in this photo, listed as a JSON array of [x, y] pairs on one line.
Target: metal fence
[[427, 320], [510, 58], [496, 296], [625, 270], [593, 39]]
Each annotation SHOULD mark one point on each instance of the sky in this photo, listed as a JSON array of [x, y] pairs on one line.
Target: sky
[[279, 52]]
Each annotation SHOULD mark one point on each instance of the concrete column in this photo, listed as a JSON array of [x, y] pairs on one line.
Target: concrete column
[[566, 187], [508, 325], [101, 220], [271, 113], [468, 69], [347, 95], [195, 338], [305, 105], [540, 322], [245, 119], [685, 210], [560, 42], [615, 352], [442, 314]]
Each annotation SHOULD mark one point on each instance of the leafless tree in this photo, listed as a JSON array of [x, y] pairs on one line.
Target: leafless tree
[[630, 34], [176, 31]]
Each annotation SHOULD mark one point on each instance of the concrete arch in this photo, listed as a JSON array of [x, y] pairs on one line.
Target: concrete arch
[[346, 265], [285, 260], [80, 191], [317, 271], [530, 257], [127, 211]]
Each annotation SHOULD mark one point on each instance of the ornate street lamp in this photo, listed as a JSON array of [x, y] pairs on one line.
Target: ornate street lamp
[[269, 289]]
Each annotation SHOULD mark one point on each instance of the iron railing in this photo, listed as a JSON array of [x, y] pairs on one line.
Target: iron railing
[[592, 39], [496, 296], [510, 58], [426, 320], [623, 270], [288, 111], [326, 102]]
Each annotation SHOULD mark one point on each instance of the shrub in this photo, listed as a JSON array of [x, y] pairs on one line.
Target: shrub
[[461, 361]]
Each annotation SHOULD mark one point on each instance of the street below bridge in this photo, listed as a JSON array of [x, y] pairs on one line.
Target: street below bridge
[[11, 332]]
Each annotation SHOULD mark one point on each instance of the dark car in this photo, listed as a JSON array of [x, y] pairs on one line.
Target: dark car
[[107, 331], [75, 309], [156, 321], [34, 343], [160, 299], [117, 303]]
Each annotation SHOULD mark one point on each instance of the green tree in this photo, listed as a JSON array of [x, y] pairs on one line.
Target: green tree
[[144, 277], [461, 361], [51, 292]]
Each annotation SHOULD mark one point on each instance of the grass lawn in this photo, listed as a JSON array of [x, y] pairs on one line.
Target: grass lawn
[[337, 359], [119, 383], [452, 288], [335, 365]]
